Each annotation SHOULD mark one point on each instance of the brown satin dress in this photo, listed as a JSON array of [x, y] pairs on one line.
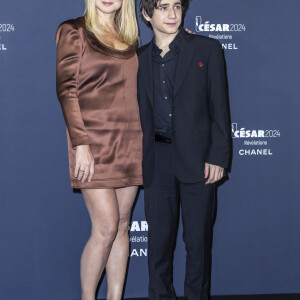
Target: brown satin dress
[[97, 90]]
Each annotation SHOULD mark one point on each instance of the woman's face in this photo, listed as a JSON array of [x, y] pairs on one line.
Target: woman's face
[[108, 6]]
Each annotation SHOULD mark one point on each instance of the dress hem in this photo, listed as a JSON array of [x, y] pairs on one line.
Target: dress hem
[[108, 183]]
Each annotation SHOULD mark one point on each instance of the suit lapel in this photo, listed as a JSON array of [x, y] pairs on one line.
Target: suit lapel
[[147, 71], [185, 59]]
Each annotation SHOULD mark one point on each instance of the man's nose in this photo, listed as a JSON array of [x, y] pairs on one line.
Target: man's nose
[[172, 13]]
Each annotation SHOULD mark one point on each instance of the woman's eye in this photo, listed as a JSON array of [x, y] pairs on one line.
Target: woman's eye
[[178, 7]]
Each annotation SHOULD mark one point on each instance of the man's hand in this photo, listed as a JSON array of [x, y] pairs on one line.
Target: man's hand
[[213, 172]]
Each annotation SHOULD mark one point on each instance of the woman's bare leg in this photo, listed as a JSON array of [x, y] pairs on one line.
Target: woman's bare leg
[[103, 208], [117, 261]]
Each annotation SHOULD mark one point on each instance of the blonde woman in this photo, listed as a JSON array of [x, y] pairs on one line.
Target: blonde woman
[[97, 89]]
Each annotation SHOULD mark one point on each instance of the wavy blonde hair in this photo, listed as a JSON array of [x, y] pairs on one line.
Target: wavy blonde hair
[[125, 20]]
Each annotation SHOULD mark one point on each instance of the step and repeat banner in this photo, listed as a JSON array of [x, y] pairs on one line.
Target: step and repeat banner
[[44, 224]]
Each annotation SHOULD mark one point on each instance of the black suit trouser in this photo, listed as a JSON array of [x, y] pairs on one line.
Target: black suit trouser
[[163, 199]]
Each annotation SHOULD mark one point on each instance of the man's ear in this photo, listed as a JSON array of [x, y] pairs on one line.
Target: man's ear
[[147, 18]]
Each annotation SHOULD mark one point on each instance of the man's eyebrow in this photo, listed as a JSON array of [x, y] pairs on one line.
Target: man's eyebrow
[[163, 4], [167, 4]]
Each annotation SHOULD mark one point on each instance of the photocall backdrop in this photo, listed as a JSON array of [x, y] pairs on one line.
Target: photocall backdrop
[[44, 225]]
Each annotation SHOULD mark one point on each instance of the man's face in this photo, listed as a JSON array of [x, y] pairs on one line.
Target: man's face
[[166, 17]]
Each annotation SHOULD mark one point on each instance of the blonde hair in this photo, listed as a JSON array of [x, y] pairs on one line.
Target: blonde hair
[[125, 20]]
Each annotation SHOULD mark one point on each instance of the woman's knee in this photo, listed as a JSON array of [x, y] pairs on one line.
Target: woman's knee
[[105, 233], [123, 225]]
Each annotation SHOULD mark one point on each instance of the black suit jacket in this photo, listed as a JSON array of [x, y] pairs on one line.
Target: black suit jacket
[[201, 129]]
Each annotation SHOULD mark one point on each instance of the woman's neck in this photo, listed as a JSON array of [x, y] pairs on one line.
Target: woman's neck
[[107, 21]]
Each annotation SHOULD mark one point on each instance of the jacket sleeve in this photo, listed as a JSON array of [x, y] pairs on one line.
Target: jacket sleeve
[[219, 151], [69, 54]]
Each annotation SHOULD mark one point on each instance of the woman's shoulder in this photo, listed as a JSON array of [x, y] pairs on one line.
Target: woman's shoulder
[[71, 27], [73, 23]]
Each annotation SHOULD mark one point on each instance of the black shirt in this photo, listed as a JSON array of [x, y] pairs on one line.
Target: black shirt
[[164, 69]]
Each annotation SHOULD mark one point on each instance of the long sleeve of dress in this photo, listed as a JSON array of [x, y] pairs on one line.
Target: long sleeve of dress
[[69, 54]]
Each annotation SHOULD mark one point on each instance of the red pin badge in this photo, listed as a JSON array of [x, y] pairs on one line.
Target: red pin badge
[[200, 64]]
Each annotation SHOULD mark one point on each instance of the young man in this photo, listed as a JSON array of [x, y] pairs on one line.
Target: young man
[[186, 143]]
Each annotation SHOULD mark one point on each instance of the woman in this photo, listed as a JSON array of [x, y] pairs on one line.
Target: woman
[[96, 86]]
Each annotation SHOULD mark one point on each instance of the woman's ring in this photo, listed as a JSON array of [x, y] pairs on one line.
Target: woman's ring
[[81, 171]]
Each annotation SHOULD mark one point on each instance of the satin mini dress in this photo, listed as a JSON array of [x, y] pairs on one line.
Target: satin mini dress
[[97, 89]]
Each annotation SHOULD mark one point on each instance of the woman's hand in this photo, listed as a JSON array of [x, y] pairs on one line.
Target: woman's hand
[[85, 165], [189, 31]]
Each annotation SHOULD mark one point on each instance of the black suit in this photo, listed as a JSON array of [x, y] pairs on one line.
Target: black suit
[[200, 109], [200, 133]]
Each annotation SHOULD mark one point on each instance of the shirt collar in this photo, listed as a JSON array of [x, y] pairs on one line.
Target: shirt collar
[[178, 38], [175, 43]]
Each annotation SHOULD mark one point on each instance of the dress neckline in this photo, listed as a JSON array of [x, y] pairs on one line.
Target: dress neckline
[[105, 49], [110, 48]]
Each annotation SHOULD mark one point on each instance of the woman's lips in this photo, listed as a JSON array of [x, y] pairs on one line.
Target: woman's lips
[[107, 3]]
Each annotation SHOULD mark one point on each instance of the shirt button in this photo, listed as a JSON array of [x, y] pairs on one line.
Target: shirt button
[[166, 97], [170, 115], [163, 65], [164, 82]]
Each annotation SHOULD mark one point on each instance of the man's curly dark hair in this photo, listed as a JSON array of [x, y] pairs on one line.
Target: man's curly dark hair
[[149, 5]]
